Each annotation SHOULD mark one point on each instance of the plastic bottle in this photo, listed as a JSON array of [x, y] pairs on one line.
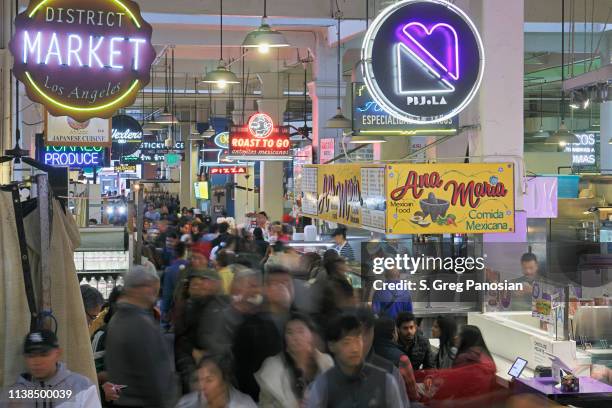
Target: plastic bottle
[[102, 287], [119, 281], [84, 281], [110, 285], [93, 282]]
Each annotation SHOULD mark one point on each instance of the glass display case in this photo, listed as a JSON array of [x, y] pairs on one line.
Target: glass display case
[[103, 257]]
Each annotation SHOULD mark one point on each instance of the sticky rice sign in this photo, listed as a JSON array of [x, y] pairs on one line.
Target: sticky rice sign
[[83, 59], [450, 198]]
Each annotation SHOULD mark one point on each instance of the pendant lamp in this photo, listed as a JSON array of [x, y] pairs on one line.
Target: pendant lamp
[[364, 139], [562, 136], [264, 37], [221, 76], [166, 117], [339, 121], [541, 133]]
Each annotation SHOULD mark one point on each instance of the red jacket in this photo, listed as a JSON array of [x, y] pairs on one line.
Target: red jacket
[[473, 373]]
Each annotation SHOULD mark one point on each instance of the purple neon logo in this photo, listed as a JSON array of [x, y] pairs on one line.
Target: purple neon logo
[[437, 45]]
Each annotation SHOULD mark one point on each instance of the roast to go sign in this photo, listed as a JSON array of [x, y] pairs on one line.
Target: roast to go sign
[[82, 59], [423, 60], [260, 139]]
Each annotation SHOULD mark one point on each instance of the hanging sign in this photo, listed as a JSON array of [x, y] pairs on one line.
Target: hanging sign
[[348, 194], [260, 139], [423, 60], [65, 131], [83, 59], [585, 153], [327, 150], [125, 168], [127, 138], [370, 118], [228, 170], [450, 198], [74, 157]]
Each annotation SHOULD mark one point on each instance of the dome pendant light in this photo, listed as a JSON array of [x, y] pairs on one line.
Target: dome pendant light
[[264, 37], [339, 121], [562, 136], [221, 76]]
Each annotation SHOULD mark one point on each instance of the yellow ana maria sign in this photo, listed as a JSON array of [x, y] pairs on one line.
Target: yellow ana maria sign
[[414, 198]]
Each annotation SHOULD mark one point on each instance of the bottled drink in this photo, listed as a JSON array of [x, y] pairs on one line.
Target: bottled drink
[[102, 287], [84, 281], [119, 281], [110, 285], [93, 282]]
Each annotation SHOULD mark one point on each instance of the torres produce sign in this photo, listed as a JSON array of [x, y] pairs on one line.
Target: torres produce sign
[[82, 59], [260, 139], [450, 198], [73, 156], [423, 60]]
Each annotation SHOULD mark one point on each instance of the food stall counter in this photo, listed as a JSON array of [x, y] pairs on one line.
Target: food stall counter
[[592, 392]]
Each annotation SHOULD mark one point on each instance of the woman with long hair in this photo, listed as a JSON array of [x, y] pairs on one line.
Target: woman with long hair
[[215, 387], [472, 348], [284, 378], [445, 329]]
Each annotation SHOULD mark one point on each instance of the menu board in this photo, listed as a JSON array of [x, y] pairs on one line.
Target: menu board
[[373, 196], [309, 190]]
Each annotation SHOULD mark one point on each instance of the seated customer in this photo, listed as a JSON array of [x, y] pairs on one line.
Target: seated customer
[[445, 329], [46, 372], [472, 374], [412, 342]]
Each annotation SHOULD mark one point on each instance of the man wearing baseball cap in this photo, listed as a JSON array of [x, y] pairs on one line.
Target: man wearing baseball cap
[[47, 381]]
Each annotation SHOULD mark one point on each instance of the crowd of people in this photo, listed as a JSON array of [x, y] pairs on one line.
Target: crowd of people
[[225, 316]]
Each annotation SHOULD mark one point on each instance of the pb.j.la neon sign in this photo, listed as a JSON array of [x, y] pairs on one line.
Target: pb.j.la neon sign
[[82, 59], [436, 56]]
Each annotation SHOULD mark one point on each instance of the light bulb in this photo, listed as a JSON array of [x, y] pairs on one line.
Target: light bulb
[[562, 143], [263, 48], [221, 84]]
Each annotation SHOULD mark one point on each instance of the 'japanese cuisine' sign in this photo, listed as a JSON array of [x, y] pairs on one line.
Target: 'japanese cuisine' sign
[[82, 59]]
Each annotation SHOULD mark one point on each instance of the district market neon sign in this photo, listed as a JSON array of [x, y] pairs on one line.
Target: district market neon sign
[[82, 59], [436, 58]]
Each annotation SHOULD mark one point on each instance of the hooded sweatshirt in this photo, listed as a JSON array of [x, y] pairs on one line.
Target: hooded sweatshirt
[[83, 393]]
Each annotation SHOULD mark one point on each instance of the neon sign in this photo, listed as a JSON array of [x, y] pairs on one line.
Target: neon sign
[[73, 156], [82, 59], [436, 58], [228, 170], [127, 137], [260, 140], [370, 118]]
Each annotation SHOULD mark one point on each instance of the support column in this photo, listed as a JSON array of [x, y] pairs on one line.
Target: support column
[[605, 119], [271, 172], [189, 169], [499, 107], [6, 128]]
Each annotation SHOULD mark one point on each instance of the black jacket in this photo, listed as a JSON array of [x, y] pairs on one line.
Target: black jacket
[[137, 355], [388, 350], [419, 352]]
